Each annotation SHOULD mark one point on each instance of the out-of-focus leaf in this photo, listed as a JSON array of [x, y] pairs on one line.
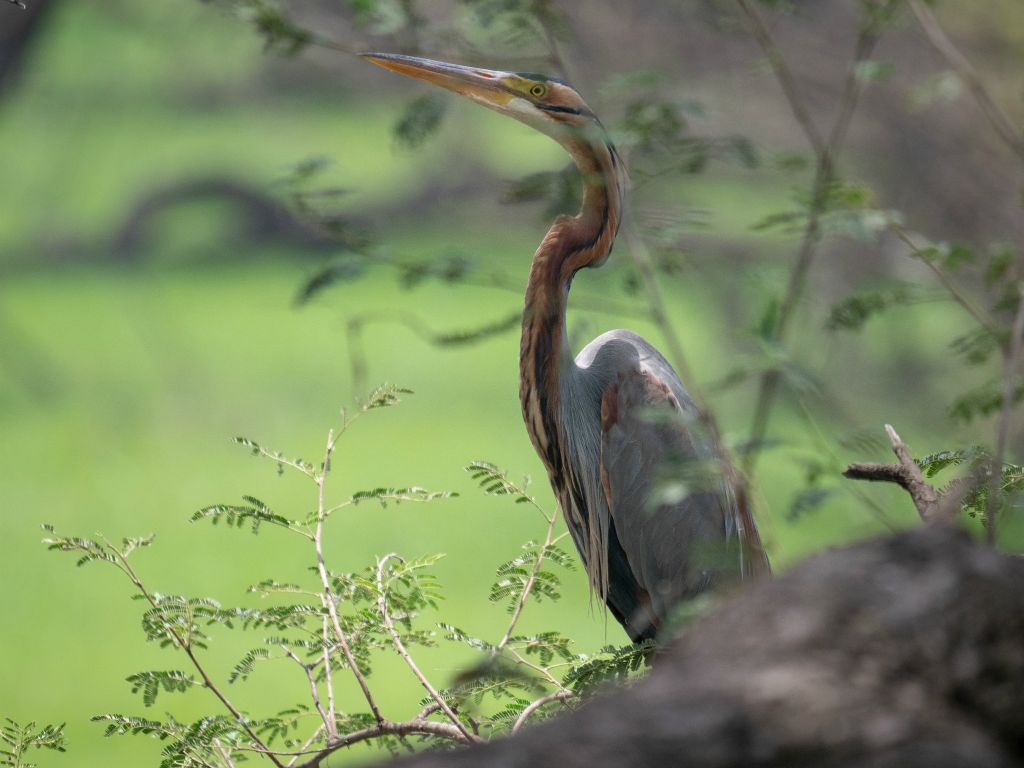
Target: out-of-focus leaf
[[977, 346], [808, 500], [279, 33], [983, 401], [420, 120], [940, 88], [348, 267], [871, 71], [559, 190], [789, 222], [855, 310]]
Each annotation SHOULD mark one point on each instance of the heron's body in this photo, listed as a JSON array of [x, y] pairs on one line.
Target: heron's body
[[647, 496]]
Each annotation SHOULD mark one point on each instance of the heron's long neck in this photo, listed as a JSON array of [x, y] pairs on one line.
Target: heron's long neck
[[571, 244]]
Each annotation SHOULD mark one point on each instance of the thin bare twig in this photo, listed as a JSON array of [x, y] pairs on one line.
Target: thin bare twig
[[329, 724], [980, 316], [784, 75], [535, 705], [328, 595], [396, 639], [332, 718], [1011, 363], [936, 35], [225, 754]]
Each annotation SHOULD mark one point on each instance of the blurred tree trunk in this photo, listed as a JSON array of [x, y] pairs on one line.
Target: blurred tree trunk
[[19, 28], [907, 651]]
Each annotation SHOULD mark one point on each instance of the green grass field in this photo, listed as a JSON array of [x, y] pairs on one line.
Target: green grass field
[[120, 389]]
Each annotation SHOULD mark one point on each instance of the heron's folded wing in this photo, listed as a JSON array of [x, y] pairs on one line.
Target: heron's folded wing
[[671, 509]]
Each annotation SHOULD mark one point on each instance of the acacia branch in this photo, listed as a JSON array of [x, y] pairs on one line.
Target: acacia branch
[[328, 595], [396, 639], [968, 74], [906, 474], [185, 645]]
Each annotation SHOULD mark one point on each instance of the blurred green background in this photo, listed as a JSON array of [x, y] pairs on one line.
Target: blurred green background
[[130, 360]]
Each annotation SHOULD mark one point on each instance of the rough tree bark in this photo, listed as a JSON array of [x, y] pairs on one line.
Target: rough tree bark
[[906, 651]]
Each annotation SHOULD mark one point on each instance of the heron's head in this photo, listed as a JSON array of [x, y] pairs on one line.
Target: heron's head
[[548, 104]]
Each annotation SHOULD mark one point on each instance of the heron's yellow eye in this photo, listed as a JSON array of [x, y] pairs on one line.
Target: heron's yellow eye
[[538, 90]]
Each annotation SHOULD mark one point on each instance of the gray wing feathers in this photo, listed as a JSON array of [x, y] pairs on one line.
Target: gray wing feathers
[[664, 493]]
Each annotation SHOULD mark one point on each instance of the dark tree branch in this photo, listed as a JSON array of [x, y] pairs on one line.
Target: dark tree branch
[[906, 474]]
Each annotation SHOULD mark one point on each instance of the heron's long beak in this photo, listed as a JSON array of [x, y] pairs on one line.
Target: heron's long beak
[[484, 85]]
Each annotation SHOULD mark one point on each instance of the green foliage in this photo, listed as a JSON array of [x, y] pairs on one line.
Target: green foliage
[[495, 482], [92, 551], [18, 740], [560, 191], [190, 745], [385, 396], [983, 401], [518, 574], [383, 17], [869, 71], [341, 269], [856, 309], [934, 463], [177, 621], [609, 665], [150, 684], [976, 484], [397, 495], [335, 624], [808, 500], [254, 514], [977, 346], [420, 120], [546, 646], [247, 664], [280, 35], [282, 461], [520, 21]]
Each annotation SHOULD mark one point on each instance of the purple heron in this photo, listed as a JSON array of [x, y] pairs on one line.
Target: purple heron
[[646, 494]]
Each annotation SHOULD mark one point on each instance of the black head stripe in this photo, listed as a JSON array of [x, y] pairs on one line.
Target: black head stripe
[[565, 110]]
